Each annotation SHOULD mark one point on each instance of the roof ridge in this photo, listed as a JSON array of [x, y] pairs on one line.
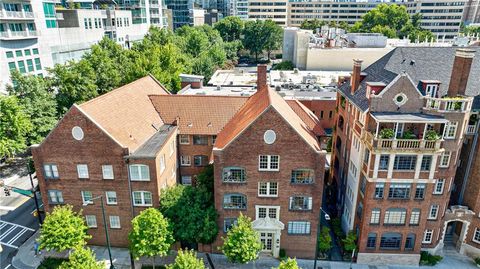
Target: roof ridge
[[200, 95]]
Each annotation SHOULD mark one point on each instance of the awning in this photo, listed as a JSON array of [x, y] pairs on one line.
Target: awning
[[267, 224], [407, 117]]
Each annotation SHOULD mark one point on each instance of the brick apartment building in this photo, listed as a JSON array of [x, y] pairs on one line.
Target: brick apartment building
[[400, 127], [129, 144]]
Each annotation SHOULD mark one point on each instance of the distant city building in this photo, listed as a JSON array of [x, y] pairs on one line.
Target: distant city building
[[38, 34], [275, 10], [472, 12]]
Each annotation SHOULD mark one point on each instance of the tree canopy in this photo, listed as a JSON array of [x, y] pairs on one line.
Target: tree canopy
[[14, 126], [260, 36], [151, 235], [82, 258], [230, 28], [187, 260], [63, 229], [242, 243], [288, 264]]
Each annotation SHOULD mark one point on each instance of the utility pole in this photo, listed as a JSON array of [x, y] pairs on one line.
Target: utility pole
[[34, 191]]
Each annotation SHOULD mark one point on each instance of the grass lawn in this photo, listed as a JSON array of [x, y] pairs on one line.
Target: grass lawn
[[50, 263]]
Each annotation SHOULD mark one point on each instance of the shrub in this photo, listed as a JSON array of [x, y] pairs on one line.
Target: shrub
[[477, 260], [51, 263], [408, 135], [429, 259], [324, 240], [387, 133], [285, 65], [282, 254], [431, 135]]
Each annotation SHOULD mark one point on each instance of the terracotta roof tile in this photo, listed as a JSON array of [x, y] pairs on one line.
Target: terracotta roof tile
[[126, 113], [307, 116], [197, 114]]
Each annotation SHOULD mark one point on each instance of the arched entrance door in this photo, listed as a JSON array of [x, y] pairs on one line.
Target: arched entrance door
[[455, 233]]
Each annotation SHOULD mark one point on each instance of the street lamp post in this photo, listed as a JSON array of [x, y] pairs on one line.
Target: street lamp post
[[105, 226], [327, 217], [34, 192]]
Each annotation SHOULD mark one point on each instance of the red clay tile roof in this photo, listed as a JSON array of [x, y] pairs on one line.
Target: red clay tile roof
[[307, 116], [197, 114], [253, 108], [126, 113]]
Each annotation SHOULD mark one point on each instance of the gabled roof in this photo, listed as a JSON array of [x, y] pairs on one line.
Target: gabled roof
[[197, 114], [126, 113], [253, 108], [420, 63], [307, 116]]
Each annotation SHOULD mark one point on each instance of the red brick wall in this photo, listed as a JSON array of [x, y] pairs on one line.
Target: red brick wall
[[324, 110], [244, 152]]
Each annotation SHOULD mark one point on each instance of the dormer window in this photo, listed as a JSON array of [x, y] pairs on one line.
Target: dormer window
[[431, 90]]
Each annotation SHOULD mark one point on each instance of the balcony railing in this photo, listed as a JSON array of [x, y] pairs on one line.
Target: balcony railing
[[405, 144], [16, 14], [471, 129], [18, 34], [448, 104]]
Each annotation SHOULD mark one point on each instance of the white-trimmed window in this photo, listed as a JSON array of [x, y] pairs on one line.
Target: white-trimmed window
[[87, 197], [427, 237], [82, 170], [228, 223], [439, 186], [234, 201], [55, 197], [234, 175], [142, 198], [185, 160], [375, 217], [200, 140], [445, 159], [50, 171], [272, 212], [186, 180], [431, 90], [302, 176], [162, 163], [268, 163], [114, 222], [139, 172], [267, 189], [91, 221], [107, 171], [415, 216], [476, 236], [433, 212], [298, 227], [184, 139], [300, 203], [172, 147], [200, 160], [395, 216], [450, 130], [111, 197]]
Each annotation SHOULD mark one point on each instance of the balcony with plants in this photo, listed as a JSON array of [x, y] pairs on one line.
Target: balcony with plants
[[449, 104]]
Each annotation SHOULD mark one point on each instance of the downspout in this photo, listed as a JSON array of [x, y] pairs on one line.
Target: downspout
[[127, 161], [470, 161]]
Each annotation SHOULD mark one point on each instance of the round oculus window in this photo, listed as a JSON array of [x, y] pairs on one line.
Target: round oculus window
[[77, 133], [269, 137], [400, 99]]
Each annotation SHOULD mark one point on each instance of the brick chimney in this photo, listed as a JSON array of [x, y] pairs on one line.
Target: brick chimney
[[262, 77], [194, 81], [460, 71], [355, 79]]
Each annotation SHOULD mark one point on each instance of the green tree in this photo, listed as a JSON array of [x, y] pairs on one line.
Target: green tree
[[150, 235], [312, 24], [205, 178], [74, 82], [394, 16], [350, 242], [285, 65], [14, 126], [324, 240], [63, 229], [273, 35], [35, 95], [242, 243], [187, 260], [230, 28], [82, 258], [254, 39], [288, 264], [344, 25]]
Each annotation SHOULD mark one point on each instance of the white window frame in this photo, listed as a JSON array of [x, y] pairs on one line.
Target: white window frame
[[116, 220], [162, 164], [375, 216], [425, 240], [58, 198], [113, 195], [307, 225], [432, 207], [269, 163], [476, 235], [269, 189], [267, 209], [415, 218], [50, 171], [183, 141], [185, 160], [448, 127], [106, 174], [82, 171], [309, 203], [142, 196], [91, 221], [185, 181], [138, 167], [439, 183], [445, 159], [431, 90], [85, 200]]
